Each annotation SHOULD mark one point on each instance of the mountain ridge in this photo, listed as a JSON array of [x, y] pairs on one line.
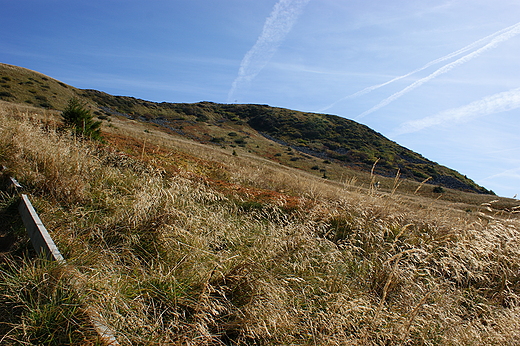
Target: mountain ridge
[[329, 138]]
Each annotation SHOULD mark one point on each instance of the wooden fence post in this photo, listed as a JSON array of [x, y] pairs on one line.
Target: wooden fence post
[[43, 244], [40, 238]]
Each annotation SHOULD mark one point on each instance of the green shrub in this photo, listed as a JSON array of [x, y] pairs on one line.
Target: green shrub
[[5, 94], [438, 189], [217, 139], [78, 117]]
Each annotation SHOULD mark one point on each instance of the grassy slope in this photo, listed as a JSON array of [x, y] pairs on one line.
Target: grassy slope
[[20, 85], [324, 145], [313, 136], [185, 243]]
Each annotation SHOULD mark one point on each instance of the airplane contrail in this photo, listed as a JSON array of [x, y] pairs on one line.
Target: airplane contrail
[[276, 27], [495, 103], [446, 68], [510, 173], [433, 62]]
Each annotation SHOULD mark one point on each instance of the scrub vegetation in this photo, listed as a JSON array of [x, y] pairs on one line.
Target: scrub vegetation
[[179, 242], [80, 120]]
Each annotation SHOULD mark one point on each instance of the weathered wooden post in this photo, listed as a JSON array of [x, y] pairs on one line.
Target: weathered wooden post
[[40, 238], [44, 245]]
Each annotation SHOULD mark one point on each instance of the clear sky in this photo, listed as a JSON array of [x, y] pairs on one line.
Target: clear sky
[[439, 77]]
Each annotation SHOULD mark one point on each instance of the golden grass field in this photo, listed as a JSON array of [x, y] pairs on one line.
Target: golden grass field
[[180, 243]]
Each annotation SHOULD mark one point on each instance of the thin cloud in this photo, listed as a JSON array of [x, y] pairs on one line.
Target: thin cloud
[[276, 27], [496, 103], [509, 173], [446, 68], [431, 63], [505, 180]]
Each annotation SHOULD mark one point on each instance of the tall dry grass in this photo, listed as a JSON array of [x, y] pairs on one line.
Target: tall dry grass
[[171, 257]]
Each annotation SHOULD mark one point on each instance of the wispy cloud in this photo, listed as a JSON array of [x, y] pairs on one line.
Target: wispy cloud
[[506, 180], [509, 173], [431, 63], [276, 27], [496, 103], [504, 36]]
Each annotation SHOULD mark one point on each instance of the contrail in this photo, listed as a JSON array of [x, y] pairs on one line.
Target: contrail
[[496, 103], [510, 173], [276, 27], [446, 68], [433, 62]]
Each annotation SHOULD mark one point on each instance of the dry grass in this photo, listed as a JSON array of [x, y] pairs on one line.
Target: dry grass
[[179, 243]]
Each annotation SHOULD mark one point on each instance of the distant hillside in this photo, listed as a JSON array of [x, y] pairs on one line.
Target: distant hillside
[[21, 85], [329, 138]]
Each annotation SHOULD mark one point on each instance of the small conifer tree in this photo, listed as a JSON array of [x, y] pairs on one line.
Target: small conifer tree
[[78, 117]]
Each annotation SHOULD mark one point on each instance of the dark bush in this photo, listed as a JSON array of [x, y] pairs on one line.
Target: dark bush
[[5, 94], [45, 104], [438, 189], [78, 117]]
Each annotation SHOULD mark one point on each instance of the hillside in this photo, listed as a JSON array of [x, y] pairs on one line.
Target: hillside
[[183, 243], [325, 145]]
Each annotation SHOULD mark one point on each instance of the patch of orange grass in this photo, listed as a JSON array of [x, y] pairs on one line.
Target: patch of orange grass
[[171, 162]]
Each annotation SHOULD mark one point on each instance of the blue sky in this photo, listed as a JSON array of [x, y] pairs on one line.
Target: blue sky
[[439, 77]]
